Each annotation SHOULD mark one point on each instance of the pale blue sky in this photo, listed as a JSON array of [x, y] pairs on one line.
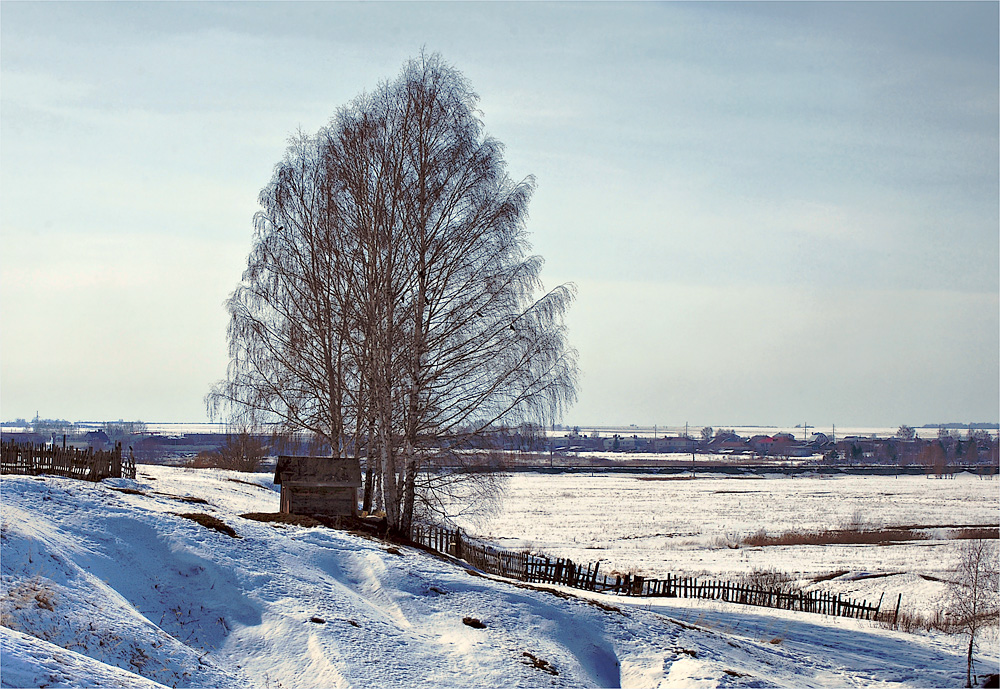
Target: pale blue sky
[[775, 213]]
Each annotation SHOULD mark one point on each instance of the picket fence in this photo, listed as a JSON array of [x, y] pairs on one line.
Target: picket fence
[[532, 568], [89, 464]]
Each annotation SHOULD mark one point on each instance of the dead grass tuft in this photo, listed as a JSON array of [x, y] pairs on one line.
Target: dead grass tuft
[[184, 498], [282, 518], [128, 491], [247, 483], [29, 593], [210, 522], [534, 661]]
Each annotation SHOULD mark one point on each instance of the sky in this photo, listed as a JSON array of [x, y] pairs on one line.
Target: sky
[[774, 213]]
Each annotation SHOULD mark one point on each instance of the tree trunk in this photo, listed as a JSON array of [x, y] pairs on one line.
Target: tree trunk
[[968, 664]]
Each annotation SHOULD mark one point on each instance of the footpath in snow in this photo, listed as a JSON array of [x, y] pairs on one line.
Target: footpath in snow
[[107, 585]]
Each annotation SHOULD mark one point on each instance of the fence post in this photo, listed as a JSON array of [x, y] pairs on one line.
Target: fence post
[[895, 615]]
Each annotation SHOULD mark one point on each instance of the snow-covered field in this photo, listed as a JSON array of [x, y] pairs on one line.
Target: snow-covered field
[[684, 524], [106, 585]]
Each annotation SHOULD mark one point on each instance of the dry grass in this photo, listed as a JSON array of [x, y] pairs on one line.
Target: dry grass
[[282, 518], [833, 537], [29, 593], [979, 532], [128, 491], [210, 522], [915, 621], [534, 661], [769, 580], [247, 483]]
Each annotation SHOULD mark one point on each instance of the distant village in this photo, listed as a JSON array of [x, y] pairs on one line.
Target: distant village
[[973, 447], [951, 447]]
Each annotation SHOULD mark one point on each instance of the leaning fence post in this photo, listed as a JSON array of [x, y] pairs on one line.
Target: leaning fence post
[[895, 615]]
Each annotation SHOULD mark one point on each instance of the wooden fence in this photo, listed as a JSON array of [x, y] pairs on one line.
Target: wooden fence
[[89, 464], [527, 567]]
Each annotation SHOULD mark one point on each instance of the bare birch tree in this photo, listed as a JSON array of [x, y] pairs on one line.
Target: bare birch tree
[[975, 598], [389, 301]]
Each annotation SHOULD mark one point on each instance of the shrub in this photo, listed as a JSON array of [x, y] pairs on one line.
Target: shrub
[[769, 580], [860, 521], [241, 452]]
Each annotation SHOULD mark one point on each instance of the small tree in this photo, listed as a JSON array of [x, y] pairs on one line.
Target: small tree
[[974, 593], [706, 434], [242, 451], [972, 453], [124, 431], [933, 458], [906, 432]]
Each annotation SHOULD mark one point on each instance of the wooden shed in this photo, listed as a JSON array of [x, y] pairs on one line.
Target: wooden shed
[[318, 486]]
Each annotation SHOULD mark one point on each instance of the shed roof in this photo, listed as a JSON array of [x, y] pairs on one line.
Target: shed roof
[[328, 471]]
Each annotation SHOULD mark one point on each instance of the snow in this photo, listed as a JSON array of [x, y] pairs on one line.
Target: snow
[[107, 585], [684, 524]]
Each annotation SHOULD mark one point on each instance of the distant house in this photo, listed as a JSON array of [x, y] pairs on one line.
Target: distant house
[[24, 438], [318, 486], [728, 444], [821, 440], [785, 445], [97, 439], [676, 444], [761, 444]]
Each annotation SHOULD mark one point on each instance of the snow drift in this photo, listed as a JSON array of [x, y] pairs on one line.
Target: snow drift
[[108, 585]]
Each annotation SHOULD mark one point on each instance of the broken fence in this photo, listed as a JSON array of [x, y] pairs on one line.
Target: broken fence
[[89, 464], [528, 567]]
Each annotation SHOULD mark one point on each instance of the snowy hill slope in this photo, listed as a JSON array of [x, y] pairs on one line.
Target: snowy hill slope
[[110, 582]]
